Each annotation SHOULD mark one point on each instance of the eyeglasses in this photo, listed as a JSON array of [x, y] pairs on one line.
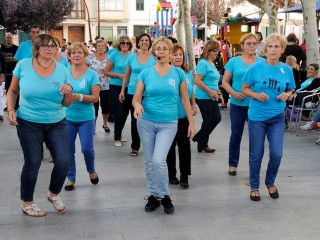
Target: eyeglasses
[[162, 49], [250, 43], [125, 43], [214, 50], [47, 46], [311, 69], [76, 52]]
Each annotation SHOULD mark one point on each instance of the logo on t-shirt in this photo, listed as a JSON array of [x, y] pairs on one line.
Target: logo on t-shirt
[[272, 84], [172, 82], [56, 84], [82, 83]]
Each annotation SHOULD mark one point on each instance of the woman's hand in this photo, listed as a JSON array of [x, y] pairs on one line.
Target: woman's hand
[[191, 131], [65, 89], [283, 97], [12, 118], [194, 109], [214, 95], [238, 96], [121, 96], [262, 97], [138, 110]]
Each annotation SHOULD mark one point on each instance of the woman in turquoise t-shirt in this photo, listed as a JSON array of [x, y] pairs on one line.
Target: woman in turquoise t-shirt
[[44, 89], [269, 84], [135, 64], [161, 86], [80, 114], [116, 69], [207, 78], [181, 139], [235, 69]]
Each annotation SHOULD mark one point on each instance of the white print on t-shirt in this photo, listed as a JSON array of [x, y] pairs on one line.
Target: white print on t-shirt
[[83, 83], [172, 82], [281, 69]]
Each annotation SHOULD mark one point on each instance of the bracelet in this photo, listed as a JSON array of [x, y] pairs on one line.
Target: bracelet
[[81, 97], [70, 86]]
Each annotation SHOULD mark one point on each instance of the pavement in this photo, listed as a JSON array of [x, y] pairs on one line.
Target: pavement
[[216, 206]]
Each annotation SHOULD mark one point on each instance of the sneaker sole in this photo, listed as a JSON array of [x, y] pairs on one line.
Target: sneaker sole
[[169, 211]]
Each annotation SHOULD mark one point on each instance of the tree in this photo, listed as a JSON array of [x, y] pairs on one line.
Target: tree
[[270, 7], [216, 9], [310, 30], [21, 14]]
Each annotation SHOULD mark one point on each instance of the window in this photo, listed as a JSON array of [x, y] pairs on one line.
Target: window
[[110, 5], [106, 32], [140, 5], [78, 10], [121, 31]]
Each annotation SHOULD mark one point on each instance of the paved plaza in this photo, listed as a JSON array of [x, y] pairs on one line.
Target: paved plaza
[[216, 206]]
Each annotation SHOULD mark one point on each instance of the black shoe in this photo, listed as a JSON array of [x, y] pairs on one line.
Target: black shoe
[[167, 205], [69, 186], [254, 197], [184, 182], [232, 173], [174, 181], [152, 204], [106, 129], [94, 181], [274, 195]]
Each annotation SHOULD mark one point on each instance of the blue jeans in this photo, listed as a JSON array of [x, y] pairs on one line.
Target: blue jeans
[[273, 128], [31, 136], [238, 117], [86, 132], [156, 139], [120, 110], [211, 116], [316, 117]]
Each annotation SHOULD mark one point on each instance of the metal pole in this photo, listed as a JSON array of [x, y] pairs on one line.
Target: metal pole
[[89, 23], [285, 18], [99, 19], [205, 20]]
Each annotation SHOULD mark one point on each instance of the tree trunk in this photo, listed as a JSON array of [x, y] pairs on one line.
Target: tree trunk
[[178, 26], [186, 16], [310, 30], [271, 10]]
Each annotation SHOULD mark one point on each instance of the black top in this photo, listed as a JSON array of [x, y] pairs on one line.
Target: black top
[[314, 84], [3, 65], [295, 50], [9, 52]]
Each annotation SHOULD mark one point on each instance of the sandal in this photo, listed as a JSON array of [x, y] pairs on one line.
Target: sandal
[[275, 194], [256, 196], [33, 210], [134, 153], [57, 203]]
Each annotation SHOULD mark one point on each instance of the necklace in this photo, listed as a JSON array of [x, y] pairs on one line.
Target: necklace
[[8, 46], [45, 68]]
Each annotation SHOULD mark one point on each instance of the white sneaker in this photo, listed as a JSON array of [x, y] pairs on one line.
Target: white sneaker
[[318, 141], [123, 139], [117, 144], [307, 127]]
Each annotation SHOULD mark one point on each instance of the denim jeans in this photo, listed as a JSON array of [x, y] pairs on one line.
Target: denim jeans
[[120, 110], [316, 117], [183, 142], [31, 136], [238, 117], [273, 128], [86, 132], [211, 116], [135, 145], [156, 139]]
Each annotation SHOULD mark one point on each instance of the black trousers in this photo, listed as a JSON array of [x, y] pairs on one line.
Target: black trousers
[[211, 117], [135, 145], [182, 141]]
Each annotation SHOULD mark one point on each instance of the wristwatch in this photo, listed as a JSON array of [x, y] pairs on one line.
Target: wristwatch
[[81, 97]]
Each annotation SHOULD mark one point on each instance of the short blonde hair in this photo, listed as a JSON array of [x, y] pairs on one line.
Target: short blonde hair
[[272, 38], [78, 45], [211, 45], [120, 39], [159, 39], [247, 36]]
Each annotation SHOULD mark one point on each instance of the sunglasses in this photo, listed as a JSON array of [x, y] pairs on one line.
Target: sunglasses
[[125, 43]]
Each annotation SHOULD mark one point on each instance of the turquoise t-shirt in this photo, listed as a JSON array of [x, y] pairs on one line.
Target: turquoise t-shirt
[[82, 111], [210, 78], [64, 61], [24, 51], [136, 69], [40, 98], [238, 69], [190, 82], [119, 66], [161, 94], [272, 80]]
